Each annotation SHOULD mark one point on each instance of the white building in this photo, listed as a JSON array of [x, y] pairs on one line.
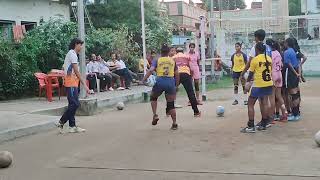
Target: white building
[[30, 13], [310, 6]]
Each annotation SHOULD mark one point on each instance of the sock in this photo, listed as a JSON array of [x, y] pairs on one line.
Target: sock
[[277, 113], [250, 123]]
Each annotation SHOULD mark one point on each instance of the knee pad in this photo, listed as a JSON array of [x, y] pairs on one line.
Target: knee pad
[[153, 98], [295, 96], [236, 87], [196, 87], [170, 106]]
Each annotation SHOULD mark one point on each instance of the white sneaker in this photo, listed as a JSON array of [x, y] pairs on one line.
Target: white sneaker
[[120, 88], [111, 89], [76, 130]]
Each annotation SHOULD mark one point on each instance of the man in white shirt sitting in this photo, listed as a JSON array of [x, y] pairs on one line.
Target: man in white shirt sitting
[[119, 68], [94, 68]]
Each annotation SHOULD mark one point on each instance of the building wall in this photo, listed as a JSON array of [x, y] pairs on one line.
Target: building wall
[[310, 6], [275, 8], [32, 10]]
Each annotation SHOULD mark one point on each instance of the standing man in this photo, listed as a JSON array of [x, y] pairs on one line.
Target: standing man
[[71, 82], [194, 65]]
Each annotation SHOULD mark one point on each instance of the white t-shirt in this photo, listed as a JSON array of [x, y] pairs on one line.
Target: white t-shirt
[[121, 64], [71, 58], [253, 51], [103, 68]]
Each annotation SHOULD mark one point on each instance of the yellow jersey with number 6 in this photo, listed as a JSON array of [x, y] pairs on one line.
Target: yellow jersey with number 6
[[165, 67], [262, 75]]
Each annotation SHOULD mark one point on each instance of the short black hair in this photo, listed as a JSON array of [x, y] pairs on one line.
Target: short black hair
[[179, 49], [238, 43], [74, 42], [165, 49], [260, 34], [291, 42], [192, 44]]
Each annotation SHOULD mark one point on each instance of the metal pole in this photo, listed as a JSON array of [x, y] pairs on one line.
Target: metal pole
[[203, 58], [143, 39], [220, 12], [82, 56], [212, 30]]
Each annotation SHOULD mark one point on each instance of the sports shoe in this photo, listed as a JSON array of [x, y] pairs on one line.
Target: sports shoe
[[291, 118], [174, 127], [111, 89], [284, 118], [235, 102], [297, 118], [276, 117], [262, 128], [197, 114], [60, 126], [155, 119], [76, 130], [248, 130], [245, 103], [120, 88], [267, 126]]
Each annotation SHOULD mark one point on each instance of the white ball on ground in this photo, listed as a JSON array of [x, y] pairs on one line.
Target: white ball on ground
[[5, 159], [220, 111], [317, 138], [120, 106]]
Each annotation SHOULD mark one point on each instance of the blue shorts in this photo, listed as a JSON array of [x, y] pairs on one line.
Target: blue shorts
[[165, 84], [236, 75], [258, 92]]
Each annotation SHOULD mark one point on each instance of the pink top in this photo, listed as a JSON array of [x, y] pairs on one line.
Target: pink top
[[182, 61], [194, 58], [276, 66]]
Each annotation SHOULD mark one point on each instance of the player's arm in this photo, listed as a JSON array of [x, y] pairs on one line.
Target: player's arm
[[304, 59], [232, 63], [148, 74], [176, 75], [246, 68], [287, 61], [76, 71]]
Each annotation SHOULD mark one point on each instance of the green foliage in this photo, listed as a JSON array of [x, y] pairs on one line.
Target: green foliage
[[295, 7], [226, 4], [127, 13]]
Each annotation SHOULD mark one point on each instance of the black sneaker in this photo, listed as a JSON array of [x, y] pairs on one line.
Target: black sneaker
[[267, 126], [235, 102], [261, 128], [174, 127], [245, 103], [60, 127], [248, 130]]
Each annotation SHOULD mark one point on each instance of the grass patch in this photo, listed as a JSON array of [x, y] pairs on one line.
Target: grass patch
[[225, 82]]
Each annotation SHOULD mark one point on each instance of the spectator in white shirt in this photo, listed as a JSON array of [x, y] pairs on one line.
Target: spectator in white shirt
[[119, 68]]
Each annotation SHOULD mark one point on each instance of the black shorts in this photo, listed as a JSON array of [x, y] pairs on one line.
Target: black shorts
[[291, 80]]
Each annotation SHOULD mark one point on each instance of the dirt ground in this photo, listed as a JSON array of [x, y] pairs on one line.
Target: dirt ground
[[121, 145]]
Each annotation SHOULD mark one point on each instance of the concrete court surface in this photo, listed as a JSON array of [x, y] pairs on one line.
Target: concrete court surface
[[122, 145]]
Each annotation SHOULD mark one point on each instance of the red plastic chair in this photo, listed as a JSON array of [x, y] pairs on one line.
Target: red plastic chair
[[42, 79]]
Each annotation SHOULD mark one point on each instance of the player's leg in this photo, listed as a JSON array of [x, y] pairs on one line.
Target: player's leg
[[155, 93], [273, 101], [235, 88], [170, 91], [186, 81], [281, 104], [243, 83], [250, 124], [197, 89]]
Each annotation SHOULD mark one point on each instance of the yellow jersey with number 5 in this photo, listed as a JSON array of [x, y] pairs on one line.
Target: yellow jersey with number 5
[[165, 67], [262, 75]]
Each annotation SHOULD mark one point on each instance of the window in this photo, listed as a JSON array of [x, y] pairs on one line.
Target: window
[[6, 29], [318, 3], [275, 7]]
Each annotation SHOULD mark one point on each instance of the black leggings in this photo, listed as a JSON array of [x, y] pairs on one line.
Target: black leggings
[[186, 81]]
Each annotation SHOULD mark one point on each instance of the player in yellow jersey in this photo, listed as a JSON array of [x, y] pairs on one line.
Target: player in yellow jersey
[[239, 60], [260, 71], [167, 80]]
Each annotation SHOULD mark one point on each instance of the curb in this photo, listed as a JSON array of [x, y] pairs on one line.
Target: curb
[[12, 134]]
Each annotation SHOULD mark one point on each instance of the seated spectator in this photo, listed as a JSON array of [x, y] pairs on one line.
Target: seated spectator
[[94, 67], [104, 75], [91, 76], [141, 65], [119, 68], [114, 77], [134, 75]]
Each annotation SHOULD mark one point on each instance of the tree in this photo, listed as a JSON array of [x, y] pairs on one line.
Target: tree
[[294, 7], [226, 4], [116, 13]]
